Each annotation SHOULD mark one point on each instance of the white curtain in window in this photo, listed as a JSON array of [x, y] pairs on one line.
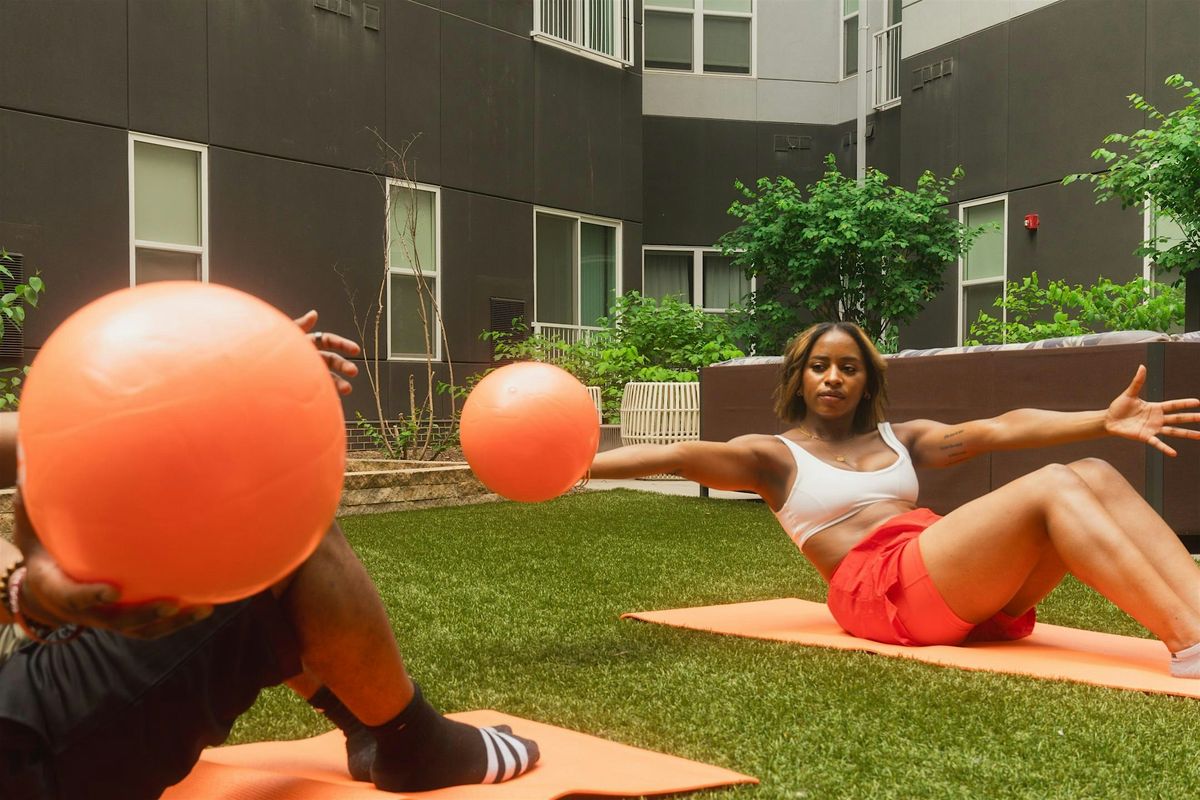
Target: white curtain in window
[[598, 271], [166, 265], [668, 274], [724, 284], [166, 186], [555, 273], [406, 250], [668, 39], [727, 44], [742, 6], [980, 297], [986, 258], [404, 312]]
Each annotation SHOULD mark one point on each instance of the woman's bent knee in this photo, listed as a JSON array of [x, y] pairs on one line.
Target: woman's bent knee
[[1098, 473]]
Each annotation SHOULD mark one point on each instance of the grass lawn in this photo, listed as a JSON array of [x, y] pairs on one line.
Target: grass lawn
[[516, 608]]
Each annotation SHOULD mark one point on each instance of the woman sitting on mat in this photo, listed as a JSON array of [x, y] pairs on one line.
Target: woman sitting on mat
[[843, 485]]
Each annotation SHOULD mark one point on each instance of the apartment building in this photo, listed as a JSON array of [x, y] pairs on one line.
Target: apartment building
[[558, 151]]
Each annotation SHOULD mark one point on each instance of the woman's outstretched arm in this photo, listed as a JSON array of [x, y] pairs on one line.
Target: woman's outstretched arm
[[934, 444], [734, 465]]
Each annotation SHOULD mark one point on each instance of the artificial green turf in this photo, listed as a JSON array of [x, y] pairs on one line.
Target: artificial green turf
[[516, 607]]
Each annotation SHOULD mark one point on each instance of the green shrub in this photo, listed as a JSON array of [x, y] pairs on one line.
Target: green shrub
[[1034, 313], [642, 339]]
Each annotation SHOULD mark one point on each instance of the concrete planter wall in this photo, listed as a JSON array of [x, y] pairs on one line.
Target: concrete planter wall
[[376, 485], [373, 486]]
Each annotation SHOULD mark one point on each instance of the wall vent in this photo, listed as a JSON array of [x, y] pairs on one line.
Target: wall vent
[[785, 142], [501, 313], [371, 17], [12, 345]]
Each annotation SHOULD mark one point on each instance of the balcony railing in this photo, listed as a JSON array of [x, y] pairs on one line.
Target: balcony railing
[[887, 67], [567, 334], [603, 27]]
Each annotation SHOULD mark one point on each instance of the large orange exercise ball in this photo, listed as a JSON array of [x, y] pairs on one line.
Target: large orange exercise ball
[[529, 431], [180, 441]]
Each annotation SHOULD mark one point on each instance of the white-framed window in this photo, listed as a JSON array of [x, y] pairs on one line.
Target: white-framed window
[[849, 38], [699, 36], [983, 270], [577, 271], [168, 210], [700, 276], [1157, 224], [414, 258], [601, 29]]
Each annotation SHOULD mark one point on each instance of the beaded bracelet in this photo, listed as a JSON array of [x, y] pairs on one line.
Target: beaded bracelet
[[34, 630], [7, 580]]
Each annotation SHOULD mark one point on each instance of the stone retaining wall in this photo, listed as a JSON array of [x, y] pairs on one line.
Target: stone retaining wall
[[373, 486]]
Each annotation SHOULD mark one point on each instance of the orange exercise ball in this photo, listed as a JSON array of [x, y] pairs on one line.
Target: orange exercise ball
[[529, 431], [181, 441]]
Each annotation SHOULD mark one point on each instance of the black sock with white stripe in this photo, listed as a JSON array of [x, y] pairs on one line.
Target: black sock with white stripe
[[419, 750], [360, 745]]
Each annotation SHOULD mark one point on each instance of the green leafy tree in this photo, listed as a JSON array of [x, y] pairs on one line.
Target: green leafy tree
[[12, 307], [1160, 165], [642, 339], [1033, 313], [873, 254]]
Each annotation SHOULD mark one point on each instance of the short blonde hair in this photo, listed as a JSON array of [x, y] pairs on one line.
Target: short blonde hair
[[789, 400]]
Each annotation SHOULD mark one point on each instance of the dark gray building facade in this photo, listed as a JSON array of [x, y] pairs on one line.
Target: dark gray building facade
[[255, 144]]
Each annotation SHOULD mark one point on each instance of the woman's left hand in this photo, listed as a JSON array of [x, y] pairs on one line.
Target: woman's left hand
[[1134, 418], [336, 350]]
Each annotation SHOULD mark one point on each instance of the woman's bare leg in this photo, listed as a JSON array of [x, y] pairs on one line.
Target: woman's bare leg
[[989, 552], [1144, 527]]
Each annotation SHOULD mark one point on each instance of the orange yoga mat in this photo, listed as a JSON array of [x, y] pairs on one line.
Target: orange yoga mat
[[571, 763], [1102, 659]]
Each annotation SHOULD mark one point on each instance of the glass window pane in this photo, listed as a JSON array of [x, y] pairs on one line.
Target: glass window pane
[[166, 190], [406, 334], [412, 235], [849, 7], [986, 258], [724, 284], [555, 270], [668, 273], [850, 46], [980, 297], [744, 6], [727, 45], [598, 271], [895, 11], [668, 40], [1161, 224], [671, 3], [165, 265]]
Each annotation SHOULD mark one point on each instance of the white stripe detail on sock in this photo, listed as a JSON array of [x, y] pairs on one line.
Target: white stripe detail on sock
[[510, 763], [519, 748], [492, 761]]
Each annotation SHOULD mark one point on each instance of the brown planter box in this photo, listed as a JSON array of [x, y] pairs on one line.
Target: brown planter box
[[737, 399]]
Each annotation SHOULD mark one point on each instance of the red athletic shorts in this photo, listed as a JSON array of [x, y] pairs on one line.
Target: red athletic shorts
[[882, 591]]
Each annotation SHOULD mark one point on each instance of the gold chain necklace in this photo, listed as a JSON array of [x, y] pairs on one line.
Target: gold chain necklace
[[841, 459]]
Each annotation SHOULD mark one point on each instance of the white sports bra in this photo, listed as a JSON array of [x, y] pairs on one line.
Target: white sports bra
[[822, 496]]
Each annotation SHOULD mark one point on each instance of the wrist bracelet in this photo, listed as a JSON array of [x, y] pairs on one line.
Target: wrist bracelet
[[6, 581], [34, 630]]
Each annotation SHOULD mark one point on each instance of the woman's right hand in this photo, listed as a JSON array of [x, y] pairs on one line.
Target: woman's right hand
[[51, 597]]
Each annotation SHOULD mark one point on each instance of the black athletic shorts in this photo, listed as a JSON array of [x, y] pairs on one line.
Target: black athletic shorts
[[106, 717]]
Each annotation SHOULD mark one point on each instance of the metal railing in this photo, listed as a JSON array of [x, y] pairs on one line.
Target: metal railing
[[887, 67], [604, 27], [567, 334]]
